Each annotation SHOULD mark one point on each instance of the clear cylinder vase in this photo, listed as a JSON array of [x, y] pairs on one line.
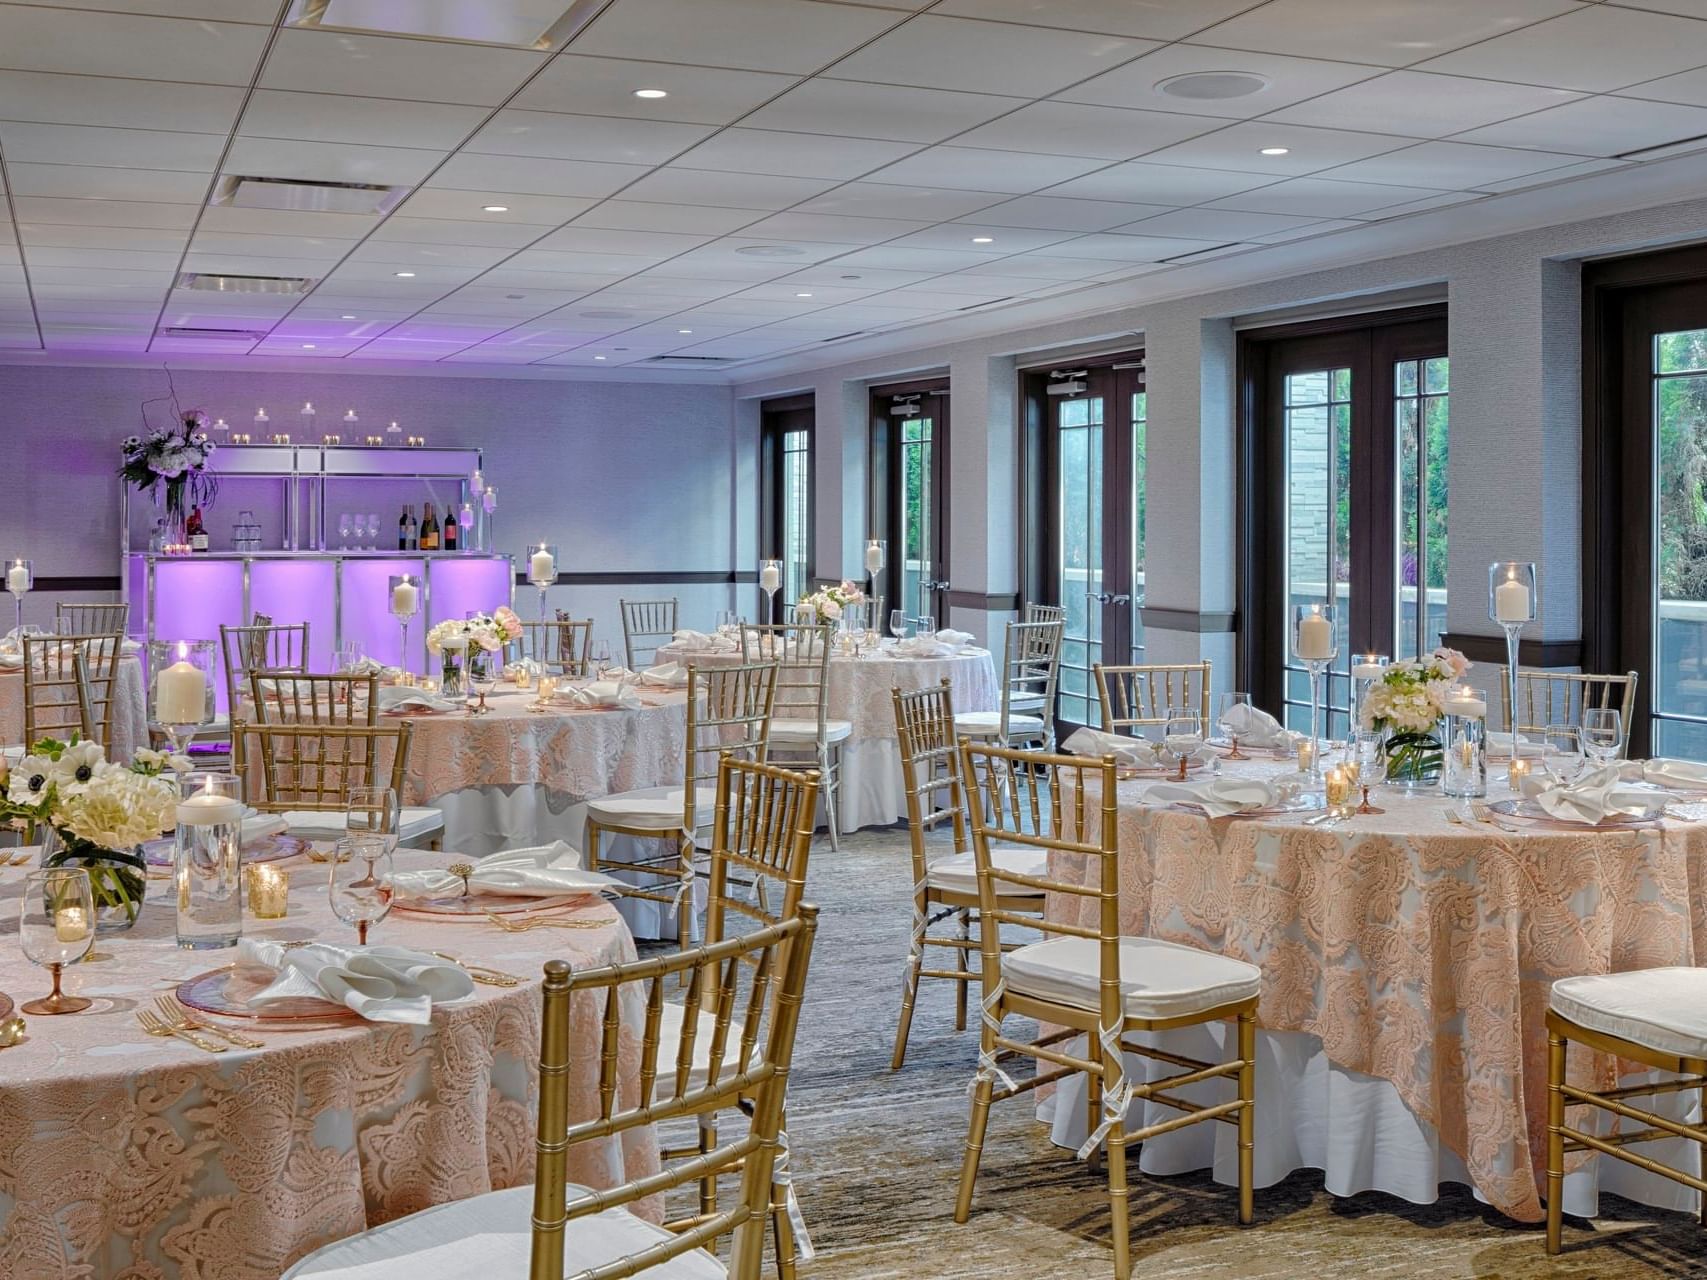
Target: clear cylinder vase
[[207, 866], [1414, 759], [1464, 772], [450, 673], [118, 879]]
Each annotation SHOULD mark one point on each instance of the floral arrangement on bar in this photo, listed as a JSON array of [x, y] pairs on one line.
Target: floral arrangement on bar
[[488, 632], [827, 603], [170, 463], [94, 813], [1406, 705]]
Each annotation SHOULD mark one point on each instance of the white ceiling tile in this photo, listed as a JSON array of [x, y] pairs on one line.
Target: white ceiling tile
[[963, 236], [641, 215], [466, 172], [104, 213], [792, 154], [1449, 166], [1289, 80], [605, 87], [1164, 184], [759, 35], [456, 231], [1602, 126], [1214, 224], [278, 222], [520, 207], [89, 43], [261, 12], [438, 329], [383, 122], [711, 264], [653, 244], [1394, 33], [1305, 230], [1322, 198], [69, 181], [329, 161], [31, 143], [1599, 47], [102, 277], [74, 236], [505, 280], [959, 53], [1154, 19], [835, 274], [885, 200], [898, 113], [1422, 105], [1239, 147], [569, 137], [382, 280], [1075, 129], [1688, 87], [135, 104], [385, 67], [308, 248], [892, 258], [1551, 176], [404, 349], [782, 297], [973, 169], [1108, 247], [420, 256], [832, 229], [601, 266], [222, 262], [1440, 201], [724, 190], [1052, 213]]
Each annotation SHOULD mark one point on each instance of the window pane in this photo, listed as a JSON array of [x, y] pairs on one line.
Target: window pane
[[1317, 419], [916, 549], [1682, 352], [1140, 442], [1419, 423], [1078, 504], [1405, 630], [796, 483], [1680, 561]]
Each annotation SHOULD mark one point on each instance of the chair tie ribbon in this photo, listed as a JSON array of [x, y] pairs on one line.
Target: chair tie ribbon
[[987, 1067], [1116, 1093], [781, 1177]]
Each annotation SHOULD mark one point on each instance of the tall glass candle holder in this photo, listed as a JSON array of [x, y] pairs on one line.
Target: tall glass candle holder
[[542, 570], [1514, 599], [1366, 670], [1464, 773], [20, 577], [1315, 643], [207, 868], [180, 688], [876, 556], [770, 579], [405, 604]]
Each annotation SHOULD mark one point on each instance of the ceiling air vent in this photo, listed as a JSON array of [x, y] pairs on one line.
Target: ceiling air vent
[[299, 195], [516, 24], [221, 335], [689, 362], [213, 282]]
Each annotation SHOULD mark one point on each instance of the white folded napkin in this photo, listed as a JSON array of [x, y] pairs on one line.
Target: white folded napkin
[[1595, 797], [955, 639], [11, 658], [700, 642], [1681, 775], [1254, 727], [541, 872], [373, 667], [1135, 752], [1499, 745], [618, 674], [671, 675], [1220, 797], [922, 647], [262, 825], [403, 698], [382, 984], [602, 693]]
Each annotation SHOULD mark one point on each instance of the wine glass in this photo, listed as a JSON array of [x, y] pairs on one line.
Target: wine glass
[[482, 677], [371, 817], [897, 623], [1233, 710], [601, 657], [927, 625], [57, 928], [1562, 754], [344, 522], [360, 885], [1602, 733], [1182, 735]]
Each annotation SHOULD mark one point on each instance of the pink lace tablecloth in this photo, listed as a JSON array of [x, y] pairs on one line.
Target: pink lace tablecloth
[[1417, 951], [124, 1157], [130, 710]]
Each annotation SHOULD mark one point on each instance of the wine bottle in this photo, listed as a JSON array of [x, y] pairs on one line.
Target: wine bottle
[[429, 529], [450, 529], [403, 529], [195, 531]]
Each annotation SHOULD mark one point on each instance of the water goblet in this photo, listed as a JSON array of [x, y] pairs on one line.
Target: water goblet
[[1602, 734], [372, 816], [1182, 737], [1233, 709], [1562, 754], [601, 657], [57, 928], [927, 625], [359, 886], [898, 623]]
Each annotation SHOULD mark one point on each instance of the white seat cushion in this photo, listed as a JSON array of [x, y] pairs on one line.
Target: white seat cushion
[[807, 730], [670, 1038], [959, 874], [412, 824], [491, 1235], [981, 724], [1664, 1009], [1157, 979], [654, 808]]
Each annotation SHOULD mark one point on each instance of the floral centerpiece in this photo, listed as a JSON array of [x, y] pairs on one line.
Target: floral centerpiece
[[477, 637], [170, 463], [1406, 706], [827, 604], [93, 814]]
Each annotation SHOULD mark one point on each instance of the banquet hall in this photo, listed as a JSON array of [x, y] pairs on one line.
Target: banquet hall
[[853, 639]]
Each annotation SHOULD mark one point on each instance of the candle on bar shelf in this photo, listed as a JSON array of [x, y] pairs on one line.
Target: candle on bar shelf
[[405, 596], [770, 578], [542, 568], [350, 416], [180, 694], [18, 579], [70, 924], [1315, 637], [1337, 786], [269, 891], [1511, 599]]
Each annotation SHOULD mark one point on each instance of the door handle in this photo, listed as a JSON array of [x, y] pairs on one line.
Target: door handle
[[1121, 599]]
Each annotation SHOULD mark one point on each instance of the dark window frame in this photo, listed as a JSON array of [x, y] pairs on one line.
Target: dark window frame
[[778, 418], [883, 513]]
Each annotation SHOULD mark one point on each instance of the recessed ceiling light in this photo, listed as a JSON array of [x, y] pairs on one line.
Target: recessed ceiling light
[[684, 330], [346, 317], [803, 295], [983, 239], [1276, 151], [598, 357], [494, 208], [651, 93], [308, 346], [1212, 86], [405, 275]]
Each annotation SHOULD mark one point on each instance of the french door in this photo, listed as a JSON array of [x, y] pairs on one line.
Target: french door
[[1089, 470], [909, 495], [785, 503], [1343, 478]]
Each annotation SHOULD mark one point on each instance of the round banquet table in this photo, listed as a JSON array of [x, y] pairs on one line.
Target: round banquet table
[[1406, 967], [123, 1156], [872, 791], [129, 709]]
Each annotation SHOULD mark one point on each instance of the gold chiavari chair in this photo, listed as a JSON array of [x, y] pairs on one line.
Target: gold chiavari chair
[[728, 711], [294, 697], [1030, 664], [561, 648], [263, 645], [1650, 1016], [1132, 697], [948, 887], [92, 619], [1560, 697], [646, 625], [554, 1225], [307, 771], [575, 645], [1043, 613], [801, 728], [1090, 979], [68, 686]]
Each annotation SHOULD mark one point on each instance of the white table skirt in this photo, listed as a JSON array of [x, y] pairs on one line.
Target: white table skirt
[[1312, 1114]]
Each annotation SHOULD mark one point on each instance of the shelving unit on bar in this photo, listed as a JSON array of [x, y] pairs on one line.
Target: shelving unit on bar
[[305, 576]]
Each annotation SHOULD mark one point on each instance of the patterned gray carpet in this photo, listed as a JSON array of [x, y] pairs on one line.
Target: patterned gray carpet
[[877, 1155]]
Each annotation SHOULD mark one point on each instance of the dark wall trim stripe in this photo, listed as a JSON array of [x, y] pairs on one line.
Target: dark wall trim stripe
[[1007, 602], [1530, 653], [77, 584], [716, 577], [1189, 620]]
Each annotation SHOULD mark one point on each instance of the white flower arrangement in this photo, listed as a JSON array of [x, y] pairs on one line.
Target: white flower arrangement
[[488, 632], [827, 603], [175, 459], [1411, 694]]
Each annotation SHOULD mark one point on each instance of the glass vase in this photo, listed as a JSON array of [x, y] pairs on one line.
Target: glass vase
[[119, 879], [1414, 759], [450, 673]]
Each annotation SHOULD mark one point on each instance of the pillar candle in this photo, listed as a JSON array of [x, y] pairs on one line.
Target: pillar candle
[[405, 596], [873, 558], [769, 578], [18, 579], [1315, 638], [542, 567], [1511, 601], [180, 694]]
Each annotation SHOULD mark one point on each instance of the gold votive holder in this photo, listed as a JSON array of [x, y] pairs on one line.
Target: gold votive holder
[[523, 678], [428, 684], [269, 891], [1337, 787], [1306, 757], [1519, 770], [375, 440]]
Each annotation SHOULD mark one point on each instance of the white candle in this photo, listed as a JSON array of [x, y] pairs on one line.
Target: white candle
[[70, 924], [1511, 601], [18, 579], [1368, 671], [542, 568], [769, 578], [180, 694], [350, 415], [873, 557], [1475, 708], [308, 407], [1315, 638], [405, 596], [207, 808]]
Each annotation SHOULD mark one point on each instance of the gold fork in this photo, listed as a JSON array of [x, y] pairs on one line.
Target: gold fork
[[178, 1016], [155, 1026], [542, 922], [481, 974]]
